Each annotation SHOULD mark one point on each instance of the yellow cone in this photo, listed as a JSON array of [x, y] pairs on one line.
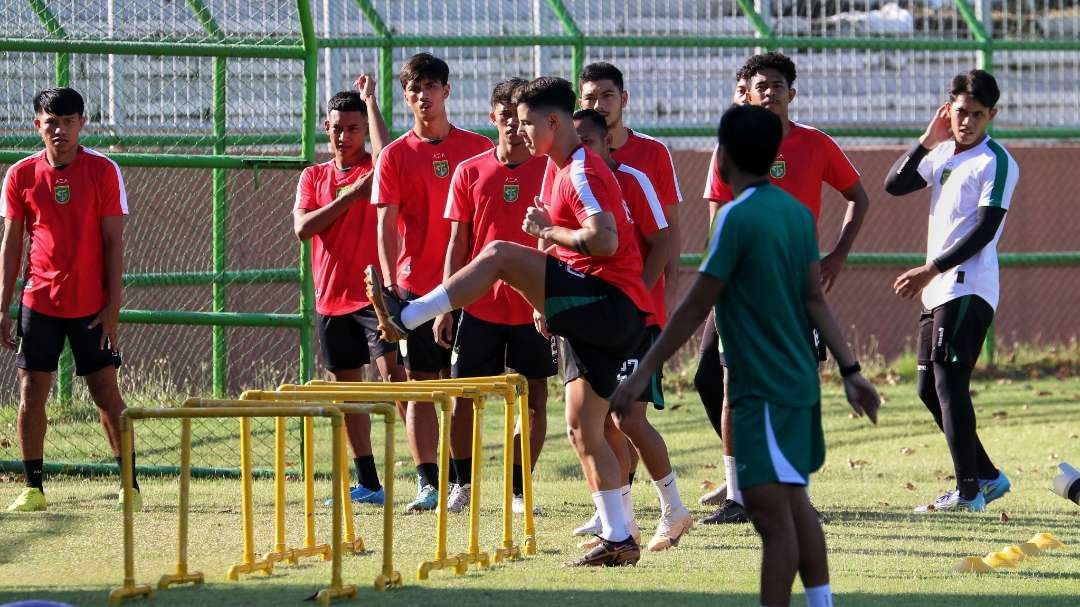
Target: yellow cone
[[1030, 549], [972, 564], [998, 559], [1013, 553], [1046, 541]]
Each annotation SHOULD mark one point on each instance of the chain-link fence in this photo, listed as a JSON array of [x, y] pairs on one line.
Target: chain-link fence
[[212, 107]]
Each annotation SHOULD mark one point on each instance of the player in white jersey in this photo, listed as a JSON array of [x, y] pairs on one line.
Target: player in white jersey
[[972, 179]]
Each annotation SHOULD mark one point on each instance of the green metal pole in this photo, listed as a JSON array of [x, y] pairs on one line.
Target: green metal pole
[[307, 138], [577, 50], [764, 32], [62, 71], [220, 230], [386, 60]]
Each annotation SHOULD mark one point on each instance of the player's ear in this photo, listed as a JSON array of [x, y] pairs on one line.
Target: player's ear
[[491, 118], [623, 98], [791, 95], [446, 90], [993, 112]]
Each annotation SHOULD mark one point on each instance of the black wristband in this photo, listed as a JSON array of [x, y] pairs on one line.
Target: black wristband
[[852, 370]]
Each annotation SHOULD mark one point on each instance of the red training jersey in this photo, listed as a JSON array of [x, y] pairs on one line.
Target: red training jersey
[[584, 187], [414, 174], [491, 198], [648, 216], [652, 157], [62, 210], [340, 252], [806, 159]]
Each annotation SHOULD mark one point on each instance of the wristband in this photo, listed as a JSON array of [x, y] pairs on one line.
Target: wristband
[[850, 370]]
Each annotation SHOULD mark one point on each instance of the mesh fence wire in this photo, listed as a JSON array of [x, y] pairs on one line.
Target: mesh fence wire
[[166, 105]]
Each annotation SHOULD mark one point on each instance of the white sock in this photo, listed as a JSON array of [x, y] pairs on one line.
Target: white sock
[[612, 519], [819, 596], [625, 493], [669, 493], [423, 309], [733, 492]]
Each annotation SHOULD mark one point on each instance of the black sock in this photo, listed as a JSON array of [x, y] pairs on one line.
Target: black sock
[[429, 474], [453, 478], [519, 480], [134, 481], [366, 473], [35, 473], [463, 469], [709, 377], [630, 479]]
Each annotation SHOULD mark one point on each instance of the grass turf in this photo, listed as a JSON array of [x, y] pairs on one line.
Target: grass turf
[[880, 553]]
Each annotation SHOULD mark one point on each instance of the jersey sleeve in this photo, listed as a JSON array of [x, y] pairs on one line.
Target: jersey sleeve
[[113, 194], [665, 181], [725, 247], [999, 179], [547, 183], [386, 185], [715, 188], [459, 205], [587, 194], [11, 200], [926, 167], [644, 204], [839, 172], [305, 192]]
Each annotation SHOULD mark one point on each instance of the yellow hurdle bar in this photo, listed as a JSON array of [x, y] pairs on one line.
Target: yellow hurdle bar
[[508, 386], [202, 409]]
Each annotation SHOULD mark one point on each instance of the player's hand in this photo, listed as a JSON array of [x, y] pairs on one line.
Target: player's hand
[[831, 265], [627, 392], [6, 339], [909, 284], [109, 319], [361, 188], [365, 83], [536, 219], [862, 396], [444, 330], [541, 324], [939, 130]]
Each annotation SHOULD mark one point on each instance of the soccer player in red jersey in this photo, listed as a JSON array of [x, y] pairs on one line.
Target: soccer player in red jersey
[[412, 179], [70, 201], [489, 195], [333, 210], [807, 158], [588, 289], [653, 238]]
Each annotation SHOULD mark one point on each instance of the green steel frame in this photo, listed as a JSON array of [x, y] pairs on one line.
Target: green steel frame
[[222, 47]]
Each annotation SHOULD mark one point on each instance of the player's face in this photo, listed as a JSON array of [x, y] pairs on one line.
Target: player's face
[[537, 129], [969, 119], [59, 133], [426, 98], [769, 89], [591, 138], [505, 119], [604, 97], [347, 131], [741, 96]]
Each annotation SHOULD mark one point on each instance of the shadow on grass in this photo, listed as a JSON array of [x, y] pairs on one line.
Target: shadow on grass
[[41, 526], [236, 595]]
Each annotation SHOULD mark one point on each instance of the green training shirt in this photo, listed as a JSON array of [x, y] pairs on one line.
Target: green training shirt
[[762, 246]]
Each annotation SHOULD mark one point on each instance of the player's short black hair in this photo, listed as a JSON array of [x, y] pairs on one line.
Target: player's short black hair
[[602, 70], [548, 92], [978, 84], [424, 66], [59, 101], [750, 136], [771, 60], [503, 93], [740, 74], [346, 101], [594, 119]]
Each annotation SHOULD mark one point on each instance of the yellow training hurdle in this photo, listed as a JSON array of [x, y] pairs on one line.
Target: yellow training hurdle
[[202, 409]]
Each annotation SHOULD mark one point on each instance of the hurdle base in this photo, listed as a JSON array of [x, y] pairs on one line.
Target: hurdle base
[[459, 566], [326, 595], [530, 545], [282, 553], [512, 553], [383, 582], [353, 547], [481, 559], [256, 566], [319, 550], [174, 579], [132, 591]]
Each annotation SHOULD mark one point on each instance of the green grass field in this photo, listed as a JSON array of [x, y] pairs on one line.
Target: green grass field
[[880, 553]]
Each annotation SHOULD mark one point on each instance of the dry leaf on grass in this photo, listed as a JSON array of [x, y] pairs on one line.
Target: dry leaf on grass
[[1044, 393], [909, 486], [906, 451], [1004, 517], [1074, 435], [5, 443], [857, 464], [707, 485], [1000, 414], [710, 466]]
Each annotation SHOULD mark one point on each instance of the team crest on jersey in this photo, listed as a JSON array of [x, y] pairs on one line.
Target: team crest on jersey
[[61, 192], [511, 190], [340, 190], [945, 176], [778, 169], [441, 166]]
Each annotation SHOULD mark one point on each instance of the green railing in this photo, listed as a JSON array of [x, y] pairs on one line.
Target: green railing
[[213, 151]]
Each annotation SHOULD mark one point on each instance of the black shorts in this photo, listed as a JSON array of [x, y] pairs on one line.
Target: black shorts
[[954, 332], [41, 340], [601, 326], [351, 341], [654, 392], [419, 349], [483, 348]]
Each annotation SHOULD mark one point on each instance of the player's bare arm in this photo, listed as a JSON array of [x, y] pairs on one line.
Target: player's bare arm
[[661, 244], [674, 258], [11, 255], [388, 243], [857, 206], [308, 223], [112, 238], [597, 235], [377, 131]]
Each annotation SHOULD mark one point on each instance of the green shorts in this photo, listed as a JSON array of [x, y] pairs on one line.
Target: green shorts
[[775, 443]]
